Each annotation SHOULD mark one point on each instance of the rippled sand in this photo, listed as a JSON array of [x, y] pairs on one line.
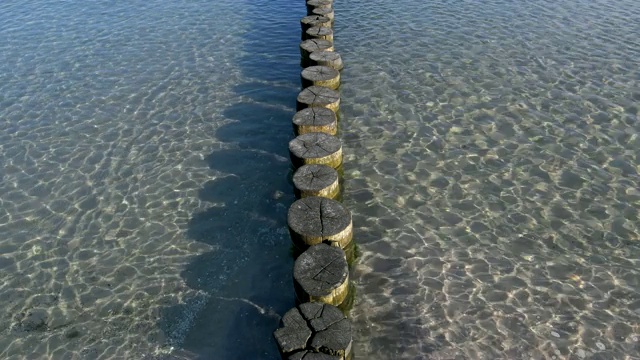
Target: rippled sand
[[492, 160]]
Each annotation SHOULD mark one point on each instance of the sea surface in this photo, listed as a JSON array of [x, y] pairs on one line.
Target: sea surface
[[144, 177], [492, 159]]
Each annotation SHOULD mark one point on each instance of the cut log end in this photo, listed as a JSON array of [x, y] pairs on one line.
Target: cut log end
[[320, 76], [324, 11], [319, 96], [330, 333], [314, 220], [322, 274], [326, 58], [316, 180], [310, 46], [315, 119], [319, 32], [316, 148], [313, 4], [314, 20]]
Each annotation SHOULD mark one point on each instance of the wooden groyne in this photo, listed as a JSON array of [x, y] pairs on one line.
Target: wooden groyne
[[320, 225]]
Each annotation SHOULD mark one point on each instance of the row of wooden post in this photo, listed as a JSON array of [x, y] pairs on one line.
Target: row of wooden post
[[320, 225]]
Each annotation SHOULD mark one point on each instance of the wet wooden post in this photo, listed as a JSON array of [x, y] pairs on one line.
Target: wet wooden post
[[318, 96], [324, 11], [315, 328], [316, 148], [326, 58], [318, 32], [312, 45], [314, 4], [314, 220], [321, 273], [316, 180], [320, 76], [315, 119], [314, 20], [310, 355], [321, 228]]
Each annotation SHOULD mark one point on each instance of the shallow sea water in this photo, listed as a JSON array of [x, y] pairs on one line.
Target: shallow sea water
[[492, 159], [143, 185]]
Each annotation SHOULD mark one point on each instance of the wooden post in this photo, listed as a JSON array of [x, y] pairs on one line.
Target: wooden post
[[313, 220], [322, 274], [315, 119], [316, 148], [315, 328], [310, 355], [318, 96], [326, 58], [324, 11], [309, 46], [312, 4], [314, 20], [320, 76], [318, 32], [316, 180]]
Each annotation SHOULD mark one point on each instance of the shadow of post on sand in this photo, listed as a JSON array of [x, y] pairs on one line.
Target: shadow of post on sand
[[246, 279]]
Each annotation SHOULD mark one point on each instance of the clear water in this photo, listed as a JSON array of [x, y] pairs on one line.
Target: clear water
[[144, 178], [492, 159], [493, 152]]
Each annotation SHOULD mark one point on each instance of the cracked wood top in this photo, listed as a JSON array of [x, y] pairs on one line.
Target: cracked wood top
[[319, 31], [314, 177], [314, 116], [315, 20], [321, 269], [318, 95], [320, 73], [312, 45], [318, 217], [314, 145], [325, 333]]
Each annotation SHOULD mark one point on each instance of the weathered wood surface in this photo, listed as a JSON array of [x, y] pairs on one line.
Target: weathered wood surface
[[314, 20], [318, 32], [313, 4], [316, 180], [316, 148], [315, 119], [321, 274], [295, 333], [320, 76], [310, 355], [313, 220], [312, 45], [318, 96], [326, 58], [324, 11], [330, 330]]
